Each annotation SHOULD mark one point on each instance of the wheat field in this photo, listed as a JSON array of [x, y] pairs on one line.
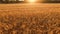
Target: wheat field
[[35, 18]]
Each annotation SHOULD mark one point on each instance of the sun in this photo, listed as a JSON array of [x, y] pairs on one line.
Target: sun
[[31, 1]]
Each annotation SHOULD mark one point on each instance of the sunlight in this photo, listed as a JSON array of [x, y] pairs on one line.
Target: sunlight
[[31, 1]]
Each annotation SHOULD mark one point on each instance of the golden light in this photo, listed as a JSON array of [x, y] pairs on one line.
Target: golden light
[[31, 1]]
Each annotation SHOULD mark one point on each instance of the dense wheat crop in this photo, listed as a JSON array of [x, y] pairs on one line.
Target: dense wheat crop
[[29, 19]]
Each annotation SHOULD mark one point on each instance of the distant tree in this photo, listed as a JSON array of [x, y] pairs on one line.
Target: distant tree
[[17, 0], [0, 0], [7, 0], [52, 1]]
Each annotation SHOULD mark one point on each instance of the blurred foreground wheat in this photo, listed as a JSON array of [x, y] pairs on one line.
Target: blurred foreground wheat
[[36, 20]]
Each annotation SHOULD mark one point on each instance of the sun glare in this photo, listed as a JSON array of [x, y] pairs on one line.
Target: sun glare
[[31, 1]]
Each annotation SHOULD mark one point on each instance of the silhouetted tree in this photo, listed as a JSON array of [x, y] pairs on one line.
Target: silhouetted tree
[[52, 1]]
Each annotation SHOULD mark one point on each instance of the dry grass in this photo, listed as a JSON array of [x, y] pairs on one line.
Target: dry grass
[[29, 19]]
